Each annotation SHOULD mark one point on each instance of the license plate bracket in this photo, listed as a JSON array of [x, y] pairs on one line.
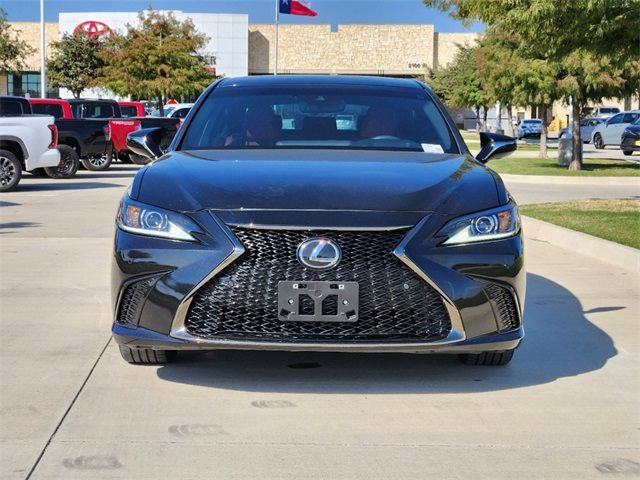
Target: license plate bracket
[[315, 301]]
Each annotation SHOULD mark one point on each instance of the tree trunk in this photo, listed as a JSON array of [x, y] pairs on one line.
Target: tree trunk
[[627, 102], [543, 133], [161, 106], [510, 120], [576, 158], [499, 119], [484, 118], [477, 119]]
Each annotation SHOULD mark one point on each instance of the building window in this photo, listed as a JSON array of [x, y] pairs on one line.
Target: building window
[[23, 83]]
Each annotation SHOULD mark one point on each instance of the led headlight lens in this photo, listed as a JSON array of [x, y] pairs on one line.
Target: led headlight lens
[[493, 224], [136, 217]]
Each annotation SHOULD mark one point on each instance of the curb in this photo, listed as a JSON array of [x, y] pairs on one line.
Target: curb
[[604, 250], [560, 180]]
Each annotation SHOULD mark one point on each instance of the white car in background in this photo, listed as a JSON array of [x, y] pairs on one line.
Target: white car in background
[[610, 132], [604, 112], [177, 110], [27, 141]]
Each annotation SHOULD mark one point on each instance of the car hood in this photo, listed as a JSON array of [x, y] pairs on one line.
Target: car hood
[[408, 184], [635, 129]]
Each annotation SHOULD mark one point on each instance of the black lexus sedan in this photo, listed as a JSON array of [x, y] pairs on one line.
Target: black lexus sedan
[[309, 213], [630, 141]]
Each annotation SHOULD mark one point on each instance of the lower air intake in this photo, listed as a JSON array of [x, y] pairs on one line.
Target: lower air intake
[[504, 304]]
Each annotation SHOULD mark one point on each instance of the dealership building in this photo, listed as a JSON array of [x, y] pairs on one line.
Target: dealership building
[[241, 48]]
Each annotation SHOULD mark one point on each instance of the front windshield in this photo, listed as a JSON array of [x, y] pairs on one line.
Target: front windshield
[[637, 122], [319, 116]]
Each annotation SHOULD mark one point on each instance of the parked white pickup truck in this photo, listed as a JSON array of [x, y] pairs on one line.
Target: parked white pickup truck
[[27, 142]]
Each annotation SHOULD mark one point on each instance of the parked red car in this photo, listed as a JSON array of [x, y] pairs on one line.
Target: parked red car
[[132, 109], [118, 129], [55, 107]]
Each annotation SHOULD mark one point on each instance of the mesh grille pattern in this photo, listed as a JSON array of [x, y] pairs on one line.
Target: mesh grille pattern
[[242, 302], [505, 306], [133, 298]]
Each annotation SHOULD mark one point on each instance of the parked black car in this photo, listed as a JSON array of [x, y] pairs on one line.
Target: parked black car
[[318, 213], [631, 138]]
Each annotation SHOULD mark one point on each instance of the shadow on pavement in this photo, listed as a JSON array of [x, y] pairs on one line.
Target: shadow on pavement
[[560, 342], [4, 227]]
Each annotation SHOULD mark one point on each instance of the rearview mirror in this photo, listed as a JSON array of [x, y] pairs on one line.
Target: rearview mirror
[[146, 142], [495, 145]]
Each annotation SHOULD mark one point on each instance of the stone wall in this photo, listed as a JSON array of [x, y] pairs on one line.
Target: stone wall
[[357, 49], [30, 32]]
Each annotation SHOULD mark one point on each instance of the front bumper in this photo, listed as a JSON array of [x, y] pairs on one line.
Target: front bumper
[[178, 270], [630, 144]]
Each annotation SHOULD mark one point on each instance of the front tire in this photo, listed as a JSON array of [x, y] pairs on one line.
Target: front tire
[[10, 171], [146, 356], [97, 164], [597, 141], [627, 152], [498, 358], [68, 166]]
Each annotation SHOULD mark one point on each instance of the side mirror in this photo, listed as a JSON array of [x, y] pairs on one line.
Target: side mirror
[[146, 142], [495, 145]]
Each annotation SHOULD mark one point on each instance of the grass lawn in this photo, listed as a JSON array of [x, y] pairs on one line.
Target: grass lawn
[[617, 220], [592, 167]]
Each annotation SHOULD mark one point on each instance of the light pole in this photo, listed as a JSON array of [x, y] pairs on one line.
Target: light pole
[[43, 77]]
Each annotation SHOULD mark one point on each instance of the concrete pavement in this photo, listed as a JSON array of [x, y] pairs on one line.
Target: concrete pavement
[[71, 408]]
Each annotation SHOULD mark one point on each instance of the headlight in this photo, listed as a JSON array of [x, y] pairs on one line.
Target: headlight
[[492, 224], [136, 217]]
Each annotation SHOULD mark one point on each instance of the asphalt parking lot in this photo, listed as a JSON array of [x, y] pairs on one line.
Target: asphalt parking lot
[[70, 407]]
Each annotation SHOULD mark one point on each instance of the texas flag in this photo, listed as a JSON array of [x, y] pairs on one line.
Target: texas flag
[[296, 7]]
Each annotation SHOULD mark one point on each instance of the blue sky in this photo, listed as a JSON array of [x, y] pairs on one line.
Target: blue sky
[[260, 11]]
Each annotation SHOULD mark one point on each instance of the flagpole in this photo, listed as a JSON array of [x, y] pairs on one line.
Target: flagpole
[[275, 71]]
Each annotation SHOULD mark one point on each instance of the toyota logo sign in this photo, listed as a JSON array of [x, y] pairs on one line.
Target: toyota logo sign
[[93, 29]]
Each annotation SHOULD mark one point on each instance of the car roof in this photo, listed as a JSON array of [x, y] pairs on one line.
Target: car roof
[[178, 105], [284, 80], [57, 101], [79, 100]]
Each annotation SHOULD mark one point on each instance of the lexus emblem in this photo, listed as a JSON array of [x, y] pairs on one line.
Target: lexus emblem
[[319, 253]]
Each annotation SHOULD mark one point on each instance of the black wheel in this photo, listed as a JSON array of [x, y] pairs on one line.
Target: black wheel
[[146, 356], [97, 164], [138, 159], [68, 166], [627, 152], [597, 141], [10, 171], [124, 157], [487, 358], [38, 172]]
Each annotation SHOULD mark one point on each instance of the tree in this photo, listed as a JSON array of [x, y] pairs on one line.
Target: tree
[[13, 49], [75, 62], [459, 85], [518, 80], [160, 59], [590, 42]]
